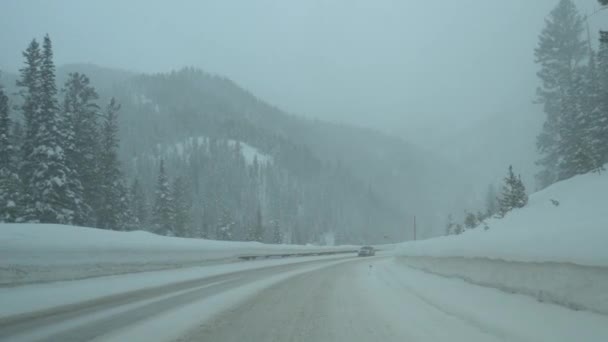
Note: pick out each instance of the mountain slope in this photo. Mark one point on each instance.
(389, 180)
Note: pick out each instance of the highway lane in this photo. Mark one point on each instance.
(95, 318)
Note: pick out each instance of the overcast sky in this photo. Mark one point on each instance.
(398, 65)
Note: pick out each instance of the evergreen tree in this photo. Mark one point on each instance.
(29, 84)
(162, 217)
(113, 206)
(54, 191)
(138, 205)
(181, 208)
(470, 220)
(513, 194)
(459, 229)
(559, 53)
(519, 194)
(10, 185)
(82, 147)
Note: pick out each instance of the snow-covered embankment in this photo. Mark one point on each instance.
(31, 253)
(555, 249)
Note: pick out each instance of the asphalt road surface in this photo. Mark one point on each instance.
(335, 299)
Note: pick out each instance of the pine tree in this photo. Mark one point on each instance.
(162, 217)
(54, 191)
(10, 184)
(30, 93)
(459, 229)
(82, 147)
(470, 220)
(595, 127)
(513, 194)
(113, 207)
(559, 53)
(181, 208)
(520, 198)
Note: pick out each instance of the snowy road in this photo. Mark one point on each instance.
(328, 299)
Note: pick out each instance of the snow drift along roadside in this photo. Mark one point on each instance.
(554, 249)
(45, 252)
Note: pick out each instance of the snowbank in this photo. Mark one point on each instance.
(554, 249)
(45, 252)
(573, 231)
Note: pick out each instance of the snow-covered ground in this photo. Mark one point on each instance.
(40, 252)
(553, 249)
(573, 231)
(184, 149)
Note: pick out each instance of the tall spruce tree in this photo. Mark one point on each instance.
(162, 217)
(82, 147)
(10, 184)
(559, 53)
(54, 191)
(113, 205)
(29, 84)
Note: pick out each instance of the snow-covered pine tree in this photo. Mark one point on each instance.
(113, 207)
(82, 148)
(595, 126)
(138, 205)
(470, 220)
(520, 198)
(182, 205)
(29, 84)
(576, 147)
(10, 184)
(513, 194)
(54, 190)
(506, 200)
(559, 53)
(162, 216)
(458, 229)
